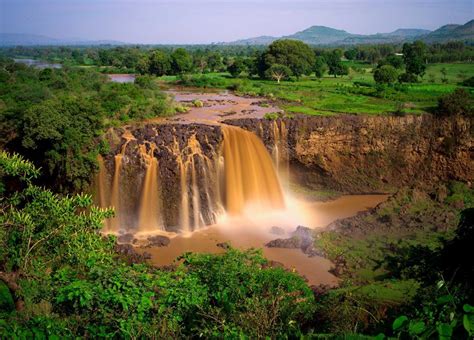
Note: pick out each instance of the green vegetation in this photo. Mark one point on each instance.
(457, 103)
(403, 268)
(56, 117)
(420, 270)
(67, 281)
(278, 72)
(356, 94)
(386, 74)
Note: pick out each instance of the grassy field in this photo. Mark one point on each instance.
(354, 94)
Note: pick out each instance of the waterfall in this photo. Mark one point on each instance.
(113, 224)
(250, 178)
(150, 203)
(188, 179)
(280, 151)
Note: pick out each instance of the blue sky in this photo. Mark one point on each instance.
(204, 21)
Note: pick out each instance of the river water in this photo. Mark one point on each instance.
(251, 226)
(38, 63)
(121, 78)
(255, 232)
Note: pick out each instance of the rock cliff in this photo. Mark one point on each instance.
(365, 154)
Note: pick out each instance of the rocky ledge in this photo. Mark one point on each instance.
(369, 154)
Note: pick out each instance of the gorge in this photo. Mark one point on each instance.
(212, 176)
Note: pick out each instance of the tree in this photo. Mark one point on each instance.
(200, 61)
(294, 54)
(159, 63)
(320, 66)
(278, 72)
(41, 231)
(237, 67)
(386, 74)
(414, 58)
(444, 72)
(143, 65)
(350, 54)
(336, 67)
(181, 61)
(214, 61)
(393, 60)
(457, 103)
(407, 78)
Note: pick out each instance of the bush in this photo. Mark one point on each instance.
(54, 259)
(468, 82)
(457, 103)
(386, 74)
(407, 78)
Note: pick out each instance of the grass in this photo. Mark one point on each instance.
(312, 195)
(367, 257)
(353, 94)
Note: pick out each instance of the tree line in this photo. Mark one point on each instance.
(217, 58)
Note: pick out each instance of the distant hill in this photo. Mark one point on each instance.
(18, 39)
(322, 35)
(262, 40)
(452, 32)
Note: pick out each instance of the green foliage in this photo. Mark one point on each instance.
(336, 67)
(414, 57)
(294, 54)
(458, 103)
(278, 72)
(272, 115)
(350, 54)
(468, 82)
(237, 67)
(444, 318)
(181, 61)
(159, 63)
(6, 299)
(54, 117)
(320, 66)
(71, 284)
(198, 103)
(407, 78)
(385, 74)
(392, 60)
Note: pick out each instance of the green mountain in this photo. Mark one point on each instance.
(322, 35)
(452, 32)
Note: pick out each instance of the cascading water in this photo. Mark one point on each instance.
(150, 203)
(188, 181)
(280, 150)
(250, 178)
(113, 224)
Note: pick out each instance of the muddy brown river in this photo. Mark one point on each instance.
(252, 227)
(254, 232)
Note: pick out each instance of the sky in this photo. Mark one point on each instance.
(206, 21)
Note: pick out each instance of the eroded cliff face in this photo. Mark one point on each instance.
(364, 154)
(185, 156)
(180, 177)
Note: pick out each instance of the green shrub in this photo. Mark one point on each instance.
(407, 78)
(468, 82)
(271, 115)
(386, 74)
(455, 104)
